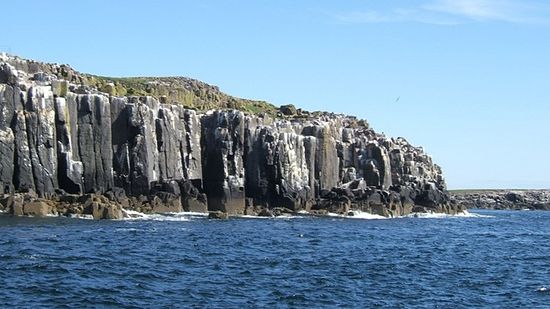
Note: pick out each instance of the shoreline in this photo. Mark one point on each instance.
(129, 215)
(110, 206)
(501, 199)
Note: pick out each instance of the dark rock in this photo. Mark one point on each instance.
(217, 215)
(265, 213)
(223, 169)
(288, 110)
(166, 202)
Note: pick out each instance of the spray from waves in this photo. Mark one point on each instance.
(171, 216)
(356, 214)
(282, 217)
(436, 215)
(468, 214)
(543, 289)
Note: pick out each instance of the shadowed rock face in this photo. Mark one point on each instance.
(58, 136)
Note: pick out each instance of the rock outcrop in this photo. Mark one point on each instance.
(503, 199)
(60, 136)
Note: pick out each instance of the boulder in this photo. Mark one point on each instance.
(106, 211)
(218, 215)
(38, 208)
(265, 213)
(195, 205)
(15, 205)
(165, 202)
(288, 110)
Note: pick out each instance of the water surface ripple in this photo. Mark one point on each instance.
(501, 259)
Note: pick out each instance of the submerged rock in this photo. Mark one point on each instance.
(218, 215)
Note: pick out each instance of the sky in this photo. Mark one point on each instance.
(472, 77)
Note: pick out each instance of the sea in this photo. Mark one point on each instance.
(481, 259)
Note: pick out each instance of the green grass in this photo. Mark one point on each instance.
(177, 90)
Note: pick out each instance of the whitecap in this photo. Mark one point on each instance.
(356, 214)
(283, 216)
(439, 215)
(130, 229)
(428, 215)
(136, 215)
(81, 216)
(192, 214)
(255, 217)
(468, 214)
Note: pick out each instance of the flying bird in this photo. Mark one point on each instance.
(396, 100)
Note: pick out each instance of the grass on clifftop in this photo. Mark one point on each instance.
(188, 92)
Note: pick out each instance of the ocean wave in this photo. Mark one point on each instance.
(81, 216)
(438, 215)
(468, 214)
(136, 215)
(358, 215)
(285, 217)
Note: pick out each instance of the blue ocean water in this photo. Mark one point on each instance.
(488, 259)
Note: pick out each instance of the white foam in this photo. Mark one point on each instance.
(428, 215)
(468, 214)
(178, 216)
(438, 215)
(131, 229)
(84, 217)
(255, 217)
(283, 216)
(358, 215)
(193, 214)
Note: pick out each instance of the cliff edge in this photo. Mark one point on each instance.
(74, 143)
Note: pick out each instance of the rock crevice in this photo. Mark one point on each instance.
(60, 137)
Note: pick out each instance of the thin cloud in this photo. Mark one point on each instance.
(490, 10)
(451, 12)
(393, 16)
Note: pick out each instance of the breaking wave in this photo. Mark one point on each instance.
(170, 216)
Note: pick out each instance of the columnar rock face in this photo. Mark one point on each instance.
(59, 136)
(280, 164)
(223, 167)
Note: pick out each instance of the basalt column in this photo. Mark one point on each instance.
(223, 170)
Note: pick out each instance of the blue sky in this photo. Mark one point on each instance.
(472, 76)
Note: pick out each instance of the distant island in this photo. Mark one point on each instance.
(502, 199)
(77, 144)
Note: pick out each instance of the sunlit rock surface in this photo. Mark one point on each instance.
(60, 137)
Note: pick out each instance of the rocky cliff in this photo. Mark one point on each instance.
(77, 145)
